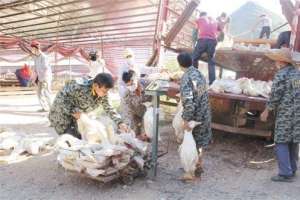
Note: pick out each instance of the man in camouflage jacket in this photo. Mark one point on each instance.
(76, 98)
(195, 102)
(285, 102)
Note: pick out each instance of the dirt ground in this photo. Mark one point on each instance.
(236, 167)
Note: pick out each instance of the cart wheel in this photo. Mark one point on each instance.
(127, 180)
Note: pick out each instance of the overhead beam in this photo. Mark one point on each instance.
(139, 42)
(142, 40)
(89, 22)
(66, 12)
(41, 5)
(17, 3)
(177, 14)
(288, 8)
(41, 9)
(182, 19)
(90, 32)
(99, 36)
(109, 39)
(81, 17)
(97, 27)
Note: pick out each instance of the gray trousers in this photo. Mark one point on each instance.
(266, 30)
(44, 94)
(287, 158)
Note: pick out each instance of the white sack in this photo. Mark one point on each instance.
(91, 130)
(177, 123)
(188, 151)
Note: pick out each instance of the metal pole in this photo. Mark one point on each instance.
(70, 69)
(279, 27)
(155, 135)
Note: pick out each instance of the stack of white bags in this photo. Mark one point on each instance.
(244, 86)
(16, 145)
(101, 152)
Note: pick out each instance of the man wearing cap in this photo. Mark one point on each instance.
(284, 101)
(43, 76)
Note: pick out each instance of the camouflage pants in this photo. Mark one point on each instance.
(44, 94)
(64, 124)
(202, 135)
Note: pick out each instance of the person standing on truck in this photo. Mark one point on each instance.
(206, 43)
(223, 22)
(265, 23)
(283, 40)
(284, 101)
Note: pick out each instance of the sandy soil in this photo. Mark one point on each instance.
(236, 167)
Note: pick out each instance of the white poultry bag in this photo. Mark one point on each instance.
(217, 86)
(226, 85)
(177, 124)
(9, 140)
(148, 120)
(91, 130)
(130, 139)
(248, 87)
(188, 151)
(231, 86)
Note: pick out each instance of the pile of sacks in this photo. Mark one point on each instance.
(101, 153)
(15, 146)
(244, 86)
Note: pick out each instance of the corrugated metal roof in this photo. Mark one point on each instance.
(106, 25)
(77, 21)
